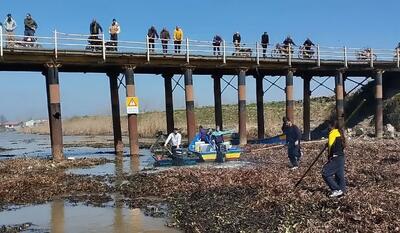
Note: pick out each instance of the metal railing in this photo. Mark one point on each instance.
(97, 45)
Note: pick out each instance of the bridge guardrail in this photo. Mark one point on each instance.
(99, 46)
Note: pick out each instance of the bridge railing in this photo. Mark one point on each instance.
(66, 43)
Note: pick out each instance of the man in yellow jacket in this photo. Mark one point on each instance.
(178, 37)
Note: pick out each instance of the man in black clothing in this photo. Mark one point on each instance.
(165, 37)
(153, 35)
(293, 137)
(217, 44)
(95, 28)
(307, 53)
(236, 41)
(286, 43)
(264, 43)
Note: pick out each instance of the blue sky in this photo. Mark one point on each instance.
(330, 22)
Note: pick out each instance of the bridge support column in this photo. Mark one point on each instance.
(339, 98)
(379, 104)
(54, 109)
(217, 100)
(260, 106)
(169, 102)
(289, 96)
(118, 145)
(189, 96)
(242, 106)
(132, 118)
(306, 107)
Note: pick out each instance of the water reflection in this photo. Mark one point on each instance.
(57, 216)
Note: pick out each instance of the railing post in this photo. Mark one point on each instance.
(148, 48)
(372, 58)
(1, 41)
(318, 56)
(224, 51)
(55, 45)
(290, 55)
(398, 57)
(104, 47)
(345, 56)
(258, 54)
(187, 50)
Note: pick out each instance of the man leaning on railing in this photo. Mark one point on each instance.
(165, 37)
(30, 27)
(9, 26)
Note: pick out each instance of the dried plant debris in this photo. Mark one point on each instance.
(262, 198)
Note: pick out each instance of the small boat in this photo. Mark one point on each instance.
(206, 151)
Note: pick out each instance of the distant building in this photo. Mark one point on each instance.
(32, 123)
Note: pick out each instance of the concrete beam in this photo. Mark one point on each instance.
(132, 118)
(169, 101)
(217, 100)
(242, 106)
(118, 145)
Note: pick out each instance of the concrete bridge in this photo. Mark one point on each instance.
(68, 53)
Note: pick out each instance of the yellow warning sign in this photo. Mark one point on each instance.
(132, 105)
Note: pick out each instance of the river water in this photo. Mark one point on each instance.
(60, 216)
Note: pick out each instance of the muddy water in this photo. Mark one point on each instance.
(60, 217)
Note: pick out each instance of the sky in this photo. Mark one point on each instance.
(367, 23)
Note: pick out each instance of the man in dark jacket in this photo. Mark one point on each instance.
(153, 35)
(236, 41)
(293, 137)
(217, 44)
(308, 52)
(165, 37)
(95, 28)
(286, 43)
(30, 26)
(264, 43)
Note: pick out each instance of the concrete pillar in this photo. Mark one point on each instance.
(132, 118)
(339, 98)
(242, 106)
(54, 110)
(217, 100)
(306, 107)
(189, 96)
(169, 102)
(289, 96)
(379, 104)
(260, 106)
(118, 145)
(57, 216)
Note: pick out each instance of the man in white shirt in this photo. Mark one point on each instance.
(175, 139)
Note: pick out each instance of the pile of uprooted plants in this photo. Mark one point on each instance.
(262, 197)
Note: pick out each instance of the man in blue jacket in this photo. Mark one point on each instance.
(293, 137)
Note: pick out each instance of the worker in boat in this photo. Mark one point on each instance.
(293, 137)
(114, 30)
(203, 134)
(333, 170)
(175, 139)
(217, 138)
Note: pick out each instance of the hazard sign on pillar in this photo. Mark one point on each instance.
(132, 105)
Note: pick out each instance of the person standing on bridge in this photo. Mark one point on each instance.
(9, 26)
(307, 45)
(114, 30)
(333, 170)
(175, 138)
(165, 37)
(293, 137)
(264, 43)
(95, 28)
(288, 42)
(178, 37)
(236, 42)
(30, 26)
(152, 35)
(217, 44)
